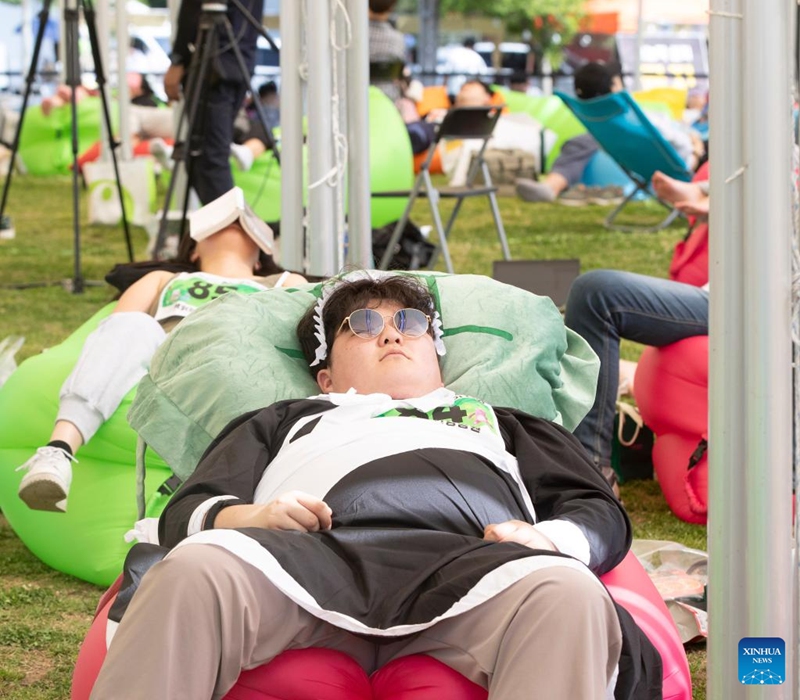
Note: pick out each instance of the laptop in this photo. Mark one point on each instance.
(551, 278)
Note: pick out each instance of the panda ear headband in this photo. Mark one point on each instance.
(321, 353)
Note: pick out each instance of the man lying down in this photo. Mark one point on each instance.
(387, 517)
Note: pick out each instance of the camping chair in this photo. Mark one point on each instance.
(626, 134)
(459, 123)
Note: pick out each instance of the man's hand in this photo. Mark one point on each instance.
(172, 82)
(520, 532)
(294, 510)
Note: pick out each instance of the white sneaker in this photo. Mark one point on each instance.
(242, 155)
(46, 485)
(162, 152)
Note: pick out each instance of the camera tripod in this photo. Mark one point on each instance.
(213, 24)
(73, 80)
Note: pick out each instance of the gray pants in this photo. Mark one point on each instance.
(202, 615)
(115, 356)
(574, 157)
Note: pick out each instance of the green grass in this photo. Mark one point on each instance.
(44, 615)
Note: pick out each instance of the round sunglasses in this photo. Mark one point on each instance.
(368, 323)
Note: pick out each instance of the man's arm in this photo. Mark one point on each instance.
(229, 472)
(576, 509)
(186, 32)
(185, 35)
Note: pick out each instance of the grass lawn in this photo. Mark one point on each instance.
(45, 614)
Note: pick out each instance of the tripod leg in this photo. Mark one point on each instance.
(72, 62)
(43, 17)
(198, 71)
(255, 23)
(89, 16)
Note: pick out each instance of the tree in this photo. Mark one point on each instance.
(552, 23)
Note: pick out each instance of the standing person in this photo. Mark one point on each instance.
(386, 44)
(222, 95)
(386, 516)
(465, 63)
(117, 354)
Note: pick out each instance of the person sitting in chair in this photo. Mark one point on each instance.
(386, 516)
(594, 80)
(117, 354)
(605, 306)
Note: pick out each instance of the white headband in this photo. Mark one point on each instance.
(321, 352)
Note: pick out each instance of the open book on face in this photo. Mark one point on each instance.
(225, 210)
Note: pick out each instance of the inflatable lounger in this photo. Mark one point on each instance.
(86, 541)
(671, 388)
(325, 674)
(45, 145)
(179, 415)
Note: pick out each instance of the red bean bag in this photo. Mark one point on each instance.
(690, 259)
(91, 154)
(671, 390)
(324, 674)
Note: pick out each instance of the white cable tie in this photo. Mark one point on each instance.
(729, 15)
(735, 174)
(328, 178)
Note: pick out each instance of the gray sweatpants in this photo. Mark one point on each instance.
(115, 356)
(202, 615)
(574, 157)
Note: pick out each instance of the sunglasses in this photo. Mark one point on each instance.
(368, 323)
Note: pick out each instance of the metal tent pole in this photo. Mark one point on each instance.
(359, 250)
(637, 61)
(321, 196)
(123, 93)
(750, 544)
(292, 256)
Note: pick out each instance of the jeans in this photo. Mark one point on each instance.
(606, 305)
(210, 170)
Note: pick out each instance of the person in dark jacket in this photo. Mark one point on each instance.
(387, 516)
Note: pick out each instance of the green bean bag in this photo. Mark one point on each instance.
(391, 167)
(87, 540)
(45, 144)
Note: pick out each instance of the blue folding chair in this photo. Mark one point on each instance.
(620, 126)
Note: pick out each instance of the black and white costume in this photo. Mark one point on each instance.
(409, 509)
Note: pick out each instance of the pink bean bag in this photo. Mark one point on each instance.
(324, 674)
(690, 259)
(671, 389)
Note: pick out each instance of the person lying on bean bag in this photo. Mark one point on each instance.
(117, 354)
(386, 516)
